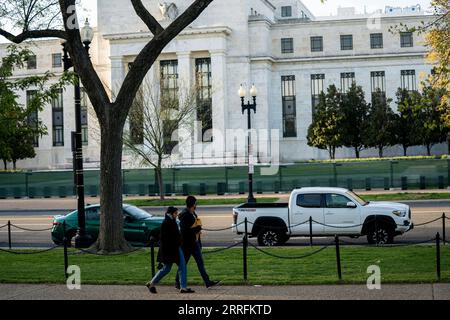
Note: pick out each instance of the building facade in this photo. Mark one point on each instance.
(278, 45)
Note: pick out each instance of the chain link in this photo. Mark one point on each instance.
(289, 258)
(29, 253)
(429, 222)
(83, 251)
(223, 249)
(386, 245)
(224, 229)
(31, 230)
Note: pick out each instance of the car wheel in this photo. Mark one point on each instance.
(269, 238)
(380, 235)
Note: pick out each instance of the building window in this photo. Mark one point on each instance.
(289, 106)
(317, 83)
(204, 97)
(287, 45)
(286, 11)
(32, 116)
(347, 42)
(169, 79)
(406, 39)
(56, 60)
(31, 62)
(376, 41)
(316, 44)
(408, 80)
(347, 80)
(84, 118)
(169, 100)
(378, 82)
(58, 120)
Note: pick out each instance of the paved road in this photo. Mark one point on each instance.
(214, 217)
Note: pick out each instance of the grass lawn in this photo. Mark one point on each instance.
(201, 202)
(407, 196)
(398, 265)
(235, 201)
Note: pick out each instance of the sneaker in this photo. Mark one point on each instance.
(187, 290)
(212, 284)
(151, 288)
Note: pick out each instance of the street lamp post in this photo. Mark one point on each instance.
(392, 173)
(335, 173)
(249, 107)
(82, 239)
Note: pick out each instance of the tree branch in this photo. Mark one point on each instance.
(83, 66)
(146, 17)
(33, 34)
(151, 51)
(185, 19)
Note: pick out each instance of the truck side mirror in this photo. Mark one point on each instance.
(351, 205)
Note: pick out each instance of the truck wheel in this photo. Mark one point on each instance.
(269, 238)
(380, 235)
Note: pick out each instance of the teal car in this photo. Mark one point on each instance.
(139, 225)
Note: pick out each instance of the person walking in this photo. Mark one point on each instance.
(170, 252)
(191, 226)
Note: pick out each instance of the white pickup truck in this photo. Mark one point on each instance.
(333, 211)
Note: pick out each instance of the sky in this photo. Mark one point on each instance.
(330, 6)
(315, 6)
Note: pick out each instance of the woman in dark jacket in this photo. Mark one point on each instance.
(170, 252)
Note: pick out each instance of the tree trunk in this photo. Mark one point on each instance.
(380, 152)
(14, 165)
(405, 150)
(111, 237)
(330, 152)
(334, 153)
(357, 153)
(5, 164)
(159, 177)
(429, 149)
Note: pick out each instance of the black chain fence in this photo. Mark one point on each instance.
(244, 243)
(290, 257)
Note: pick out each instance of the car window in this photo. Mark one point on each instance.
(309, 200)
(337, 201)
(93, 214)
(136, 213)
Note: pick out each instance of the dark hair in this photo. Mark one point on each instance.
(171, 210)
(191, 201)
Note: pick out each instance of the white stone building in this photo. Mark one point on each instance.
(278, 45)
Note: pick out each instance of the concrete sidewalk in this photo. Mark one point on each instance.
(70, 203)
(332, 292)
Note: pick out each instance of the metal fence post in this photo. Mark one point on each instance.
(438, 256)
(245, 247)
(9, 234)
(338, 257)
(66, 257)
(152, 257)
(310, 232)
(27, 193)
(444, 217)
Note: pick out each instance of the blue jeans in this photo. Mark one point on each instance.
(182, 272)
(197, 254)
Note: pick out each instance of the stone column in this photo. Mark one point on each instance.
(118, 72)
(219, 98)
(185, 84)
